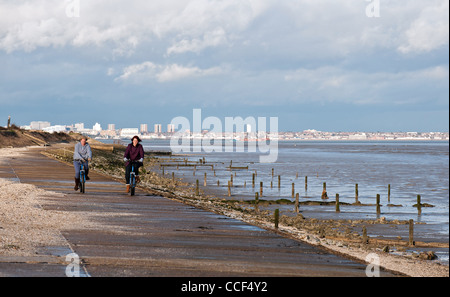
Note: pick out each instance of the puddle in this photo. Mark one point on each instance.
(14, 179)
(246, 227)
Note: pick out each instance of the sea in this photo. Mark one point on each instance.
(398, 171)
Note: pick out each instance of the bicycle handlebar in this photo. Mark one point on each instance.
(136, 161)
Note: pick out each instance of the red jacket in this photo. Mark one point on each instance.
(134, 153)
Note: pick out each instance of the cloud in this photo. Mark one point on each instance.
(333, 84)
(183, 25)
(429, 31)
(209, 39)
(309, 28)
(148, 71)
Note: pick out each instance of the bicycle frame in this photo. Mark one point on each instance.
(82, 177)
(132, 179)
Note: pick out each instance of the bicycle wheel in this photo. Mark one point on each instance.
(82, 182)
(132, 184)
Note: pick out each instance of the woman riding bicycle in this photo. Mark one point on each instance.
(133, 153)
(81, 154)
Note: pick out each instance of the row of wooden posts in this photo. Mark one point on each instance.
(296, 196)
(293, 195)
(324, 195)
(365, 238)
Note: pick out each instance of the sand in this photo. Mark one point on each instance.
(24, 225)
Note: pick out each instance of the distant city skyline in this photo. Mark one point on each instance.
(325, 65)
(170, 128)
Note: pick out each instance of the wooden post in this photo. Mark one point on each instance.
(218, 183)
(272, 172)
(253, 180)
(204, 182)
(261, 189)
(173, 176)
(419, 205)
(229, 189)
(378, 204)
(277, 217)
(324, 191)
(163, 170)
(389, 192)
(231, 179)
(356, 193)
(411, 232)
(293, 190)
(306, 183)
(195, 168)
(337, 203)
(271, 184)
(256, 202)
(196, 188)
(296, 202)
(364, 236)
(279, 181)
(296, 175)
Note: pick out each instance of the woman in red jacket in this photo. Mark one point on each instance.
(133, 153)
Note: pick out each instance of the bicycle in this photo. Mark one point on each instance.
(133, 178)
(82, 177)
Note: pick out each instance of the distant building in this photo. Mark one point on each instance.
(97, 127)
(56, 128)
(108, 133)
(170, 128)
(158, 128)
(111, 127)
(359, 136)
(39, 125)
(79, 126)
(129, 132)
(144, 128)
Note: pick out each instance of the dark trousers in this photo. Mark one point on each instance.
(128, 171)
(77, 167)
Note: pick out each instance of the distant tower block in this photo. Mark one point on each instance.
(144, 128)
(158, 128)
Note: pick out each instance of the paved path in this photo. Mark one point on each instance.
(157, 236)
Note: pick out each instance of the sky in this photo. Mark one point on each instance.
(347, 65)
